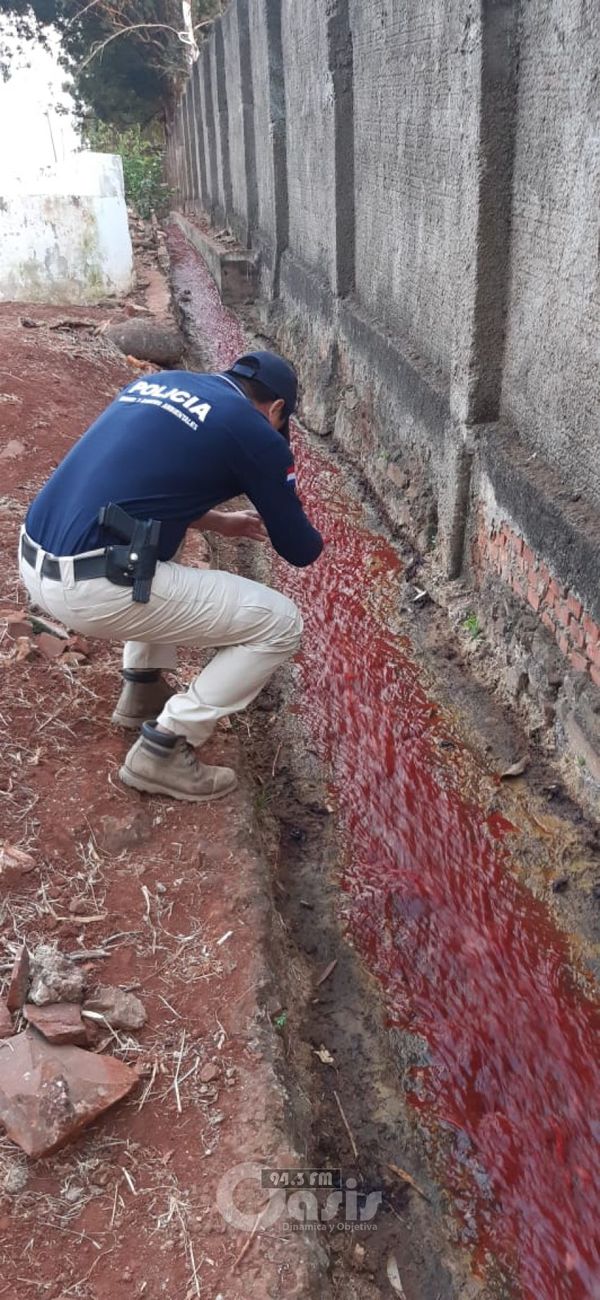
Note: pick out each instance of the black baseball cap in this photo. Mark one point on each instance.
(275, 374)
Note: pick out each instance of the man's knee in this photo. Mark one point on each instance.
(288, 633)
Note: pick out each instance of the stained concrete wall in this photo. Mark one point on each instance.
(407, 133)
(64, 235)
(550, 388)
(310, 141)
(421, 184)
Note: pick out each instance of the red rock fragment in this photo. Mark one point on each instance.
(19, 981)
(49, 646)
(14, 863)
(209, 1073)
(48, 1094)
(59, 1023)
(79, 645)
(6, 1024)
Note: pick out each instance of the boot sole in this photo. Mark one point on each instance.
(128, 724)
(151, 787)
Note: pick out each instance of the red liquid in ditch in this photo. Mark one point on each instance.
(466, 957)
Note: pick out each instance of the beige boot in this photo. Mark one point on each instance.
(160, 764)
(143, 697)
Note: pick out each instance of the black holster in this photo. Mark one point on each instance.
(133, 565)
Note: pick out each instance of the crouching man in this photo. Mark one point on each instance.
(99, 549)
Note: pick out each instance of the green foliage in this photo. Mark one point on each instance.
(472, 626)
(126, 57)
(143, 164)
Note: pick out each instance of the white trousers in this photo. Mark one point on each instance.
(253, 628)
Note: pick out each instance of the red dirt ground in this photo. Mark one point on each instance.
(129, 1210)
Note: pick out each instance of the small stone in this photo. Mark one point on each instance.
(209, 1073)
(79, 645)
(125, 832)
(79, 907)
(49, 646)
(48, 1094)
(6, 1024)
(19, 981)
(15, 1180)
(121, 1010)
(60, 1022)
(54, 977)
(14, 863)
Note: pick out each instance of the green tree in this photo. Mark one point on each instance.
(127, 58)
(143, 164)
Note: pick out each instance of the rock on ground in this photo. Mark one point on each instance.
(19, 981)
(121, 1010)
(60, 1022)
(6, 1024)
(54, 978)
(48, 1094)
(147, 340)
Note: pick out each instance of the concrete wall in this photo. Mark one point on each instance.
(421, 184)
(64, 236)
(270, 233)
(310, 141)
(238, 210)
(407, 133)
(550, 389)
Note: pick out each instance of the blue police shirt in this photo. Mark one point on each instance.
(171, 447)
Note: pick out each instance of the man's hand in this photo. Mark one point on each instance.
(245, 524)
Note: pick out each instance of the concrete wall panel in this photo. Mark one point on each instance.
(407, 133)
(235, 104)
(310, 137)
(550, 389)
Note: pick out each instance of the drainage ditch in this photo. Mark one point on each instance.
(455, 1035)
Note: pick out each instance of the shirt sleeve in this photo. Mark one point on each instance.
(268, 477)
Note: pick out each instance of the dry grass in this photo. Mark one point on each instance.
(112, 1172)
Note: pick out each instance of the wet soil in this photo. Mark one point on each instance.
(461, 1016)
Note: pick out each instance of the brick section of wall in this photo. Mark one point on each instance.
(501, 550)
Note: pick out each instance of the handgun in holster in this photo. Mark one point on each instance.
(133, 565)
